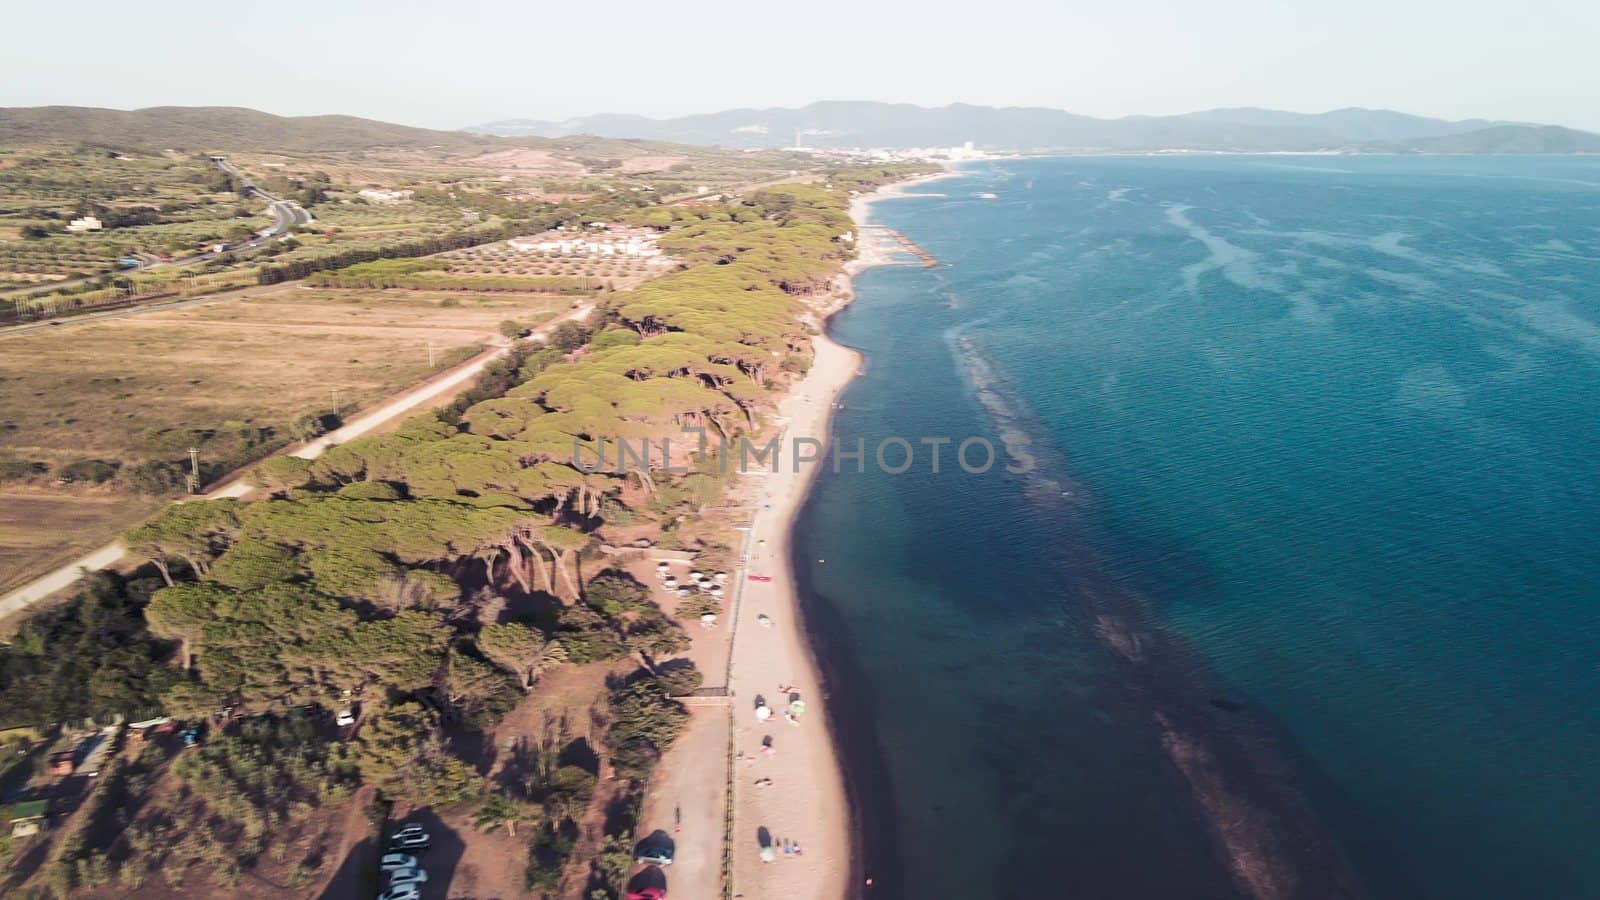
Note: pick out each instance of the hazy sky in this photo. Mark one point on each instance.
(450, 63)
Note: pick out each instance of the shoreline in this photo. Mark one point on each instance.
(1268, 840)
(809, 800)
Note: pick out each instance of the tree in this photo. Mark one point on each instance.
(569, 336)
(479, 693)
(498, 810)
(679, 678)
(615, 592)
(656, 636)
(315, 425)
(520, 650)
(252, 563)
(182, 613)
(645, 722)
(195, 532)
(282, 474)
(562, 543)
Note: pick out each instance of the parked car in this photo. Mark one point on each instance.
(412, 875)
(346, 718)
(660, 855)
(762, 578)
(411, 837)
(392, 861)
(648, 893)
(402, 892)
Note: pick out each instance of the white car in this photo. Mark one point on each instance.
(412, 875)
(392, 861)
(402, 892)
(346, 718)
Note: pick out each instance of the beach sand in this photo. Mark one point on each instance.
(805, 802)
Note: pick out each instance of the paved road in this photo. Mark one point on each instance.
(285, 213)
(452, 380)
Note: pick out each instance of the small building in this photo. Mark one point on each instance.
(613, 240)
(27, 817)
(95, 749)
(139, 731)
(62, 762)
(383, 196)
(87, 223)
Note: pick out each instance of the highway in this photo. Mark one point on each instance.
(286, 214)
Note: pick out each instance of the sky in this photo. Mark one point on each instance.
(464, 62)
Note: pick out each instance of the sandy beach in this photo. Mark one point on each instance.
(788, 787)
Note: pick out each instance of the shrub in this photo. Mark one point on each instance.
(18, 469)
(95, 471)
(155, 477)
(698, 605)
(614, 592)
(313, 425)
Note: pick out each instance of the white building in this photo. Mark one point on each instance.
(87, 223)
(632, 243)
(380, 195)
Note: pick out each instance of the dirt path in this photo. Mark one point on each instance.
(691, 785)
(235, 485)
(357, 852)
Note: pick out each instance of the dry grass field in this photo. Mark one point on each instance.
(42, 528)
(228, 377)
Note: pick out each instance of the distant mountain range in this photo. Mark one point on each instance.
(901, 126)
(215, 128)
(833, 124)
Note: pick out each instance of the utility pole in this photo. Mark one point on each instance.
(333, 398)
(430, 354)
(194, 470)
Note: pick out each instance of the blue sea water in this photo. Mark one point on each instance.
(1315, 506)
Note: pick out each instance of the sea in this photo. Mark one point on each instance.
(1293, 589)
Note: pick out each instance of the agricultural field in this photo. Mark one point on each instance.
(346, 213)
(163, 204)
(549, 169)
(115, 405)
(501, 259)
